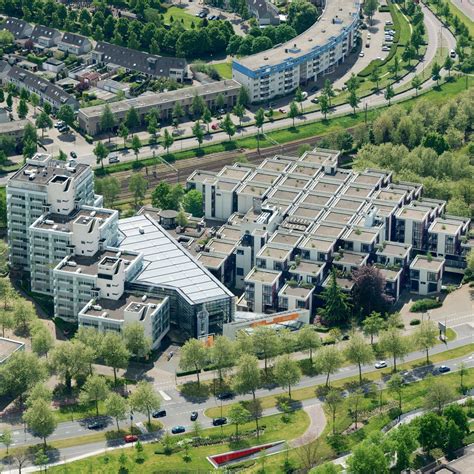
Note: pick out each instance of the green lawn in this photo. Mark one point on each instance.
(465, 19)
(156, 461)
(224, 69)
(174, 14)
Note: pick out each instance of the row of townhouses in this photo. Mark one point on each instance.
(104, 272)
(289, 221)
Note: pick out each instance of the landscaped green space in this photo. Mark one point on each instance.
(275, 429)
(464, 18)
(309, 392)
(224, 70)
(175, 14)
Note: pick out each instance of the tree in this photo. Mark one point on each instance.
(135, 340)
(293, 112)
(266, 343)
(66, 114)
(324, 105)
(193, 357)
(370, 7)
(152, 125)
(6, 320)
(198, 105)
(34, 99)
(438, 395)
(94, 390)
(207, 118)
(287, 372)
(456, 413)
(43, 121)
(375, 77)
(42, 342)
(243, 98)
(40, 419)
(193, 202)
(222, 355)
(328, 90)
(136, 145)
(353, 401)
(39, 392)
(198, 133)
(430, 431)
(462, 371)
(6, 438)
(299, 97)
(259, 121)
(116, 407)
(309, 340)
(336, 309)
(448, 65)
(395, 67)
(453, 438)
(416, 84)
(359, 352)
(228, 126)
(435, 73)
(353, 100)
(238, 415)
(402, 443)
(144, 399)
(334, 400)
(100, 151)
(369, 290)
(109, 187)
(132, 119)
(220, 102)
(177, 111)
(8, 294)
(137, 186)
(394, 344)
(23, 314)
(329, 360)
(9, 101)
(426, 337)
(367, 457)
(115, 352)
(22, 109)
(247, 375)
(123, 132)
(168, 141)
(396, 385)
(389, 94)
(372, 325)
(107, 120)
(301, 15)
(239, 112)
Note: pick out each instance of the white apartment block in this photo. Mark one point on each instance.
(41, 187)
(292, 219)
(313, 53)
(426, 275)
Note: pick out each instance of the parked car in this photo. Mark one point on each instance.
(219, 421)
(442, 369)
(385, 48)
(282, 111)
(194, 415)
(389, 22)
(73, 154)
(95, 425)
(215, 126)
(58, 124)
(114, 159)
(314, 100)
(314, 89)
(159, 414)
(361, 54)
(178, 429)
(130, 438)
(452, 54)
(381, 364)
(225, 396)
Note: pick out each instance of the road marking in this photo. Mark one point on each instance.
(165, 396)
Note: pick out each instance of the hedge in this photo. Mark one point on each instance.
(423, 305)
(415, 322)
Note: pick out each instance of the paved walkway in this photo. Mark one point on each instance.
(315, 428)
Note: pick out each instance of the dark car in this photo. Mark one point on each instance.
(219, 421)
(95, 425)
(194, 415)
(178, 429)
(442, 369)
(159, 414)
(225, 396)
(73, 154)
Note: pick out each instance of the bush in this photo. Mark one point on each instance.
(137, 165)
(394, 413)
(424, 305)
(415, 322)
(338, 443)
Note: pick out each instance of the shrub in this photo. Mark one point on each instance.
(394, 413)
(425, 304)
(415, 322)
(137, 165)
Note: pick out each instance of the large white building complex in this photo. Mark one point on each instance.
(289, 221)
(101, 271)
(317, 51)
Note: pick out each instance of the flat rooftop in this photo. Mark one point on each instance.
(441, 226)
(211, 261)
(234, 172)
(361, 235)
(285, 194)
(43, 173)
(253, 189)
(62, 223)
(307, 267)
(274, 165)
(391, 195)
(338, 217)
(295, 182)
(263, 177)
(296, 291)
(318, 244)
(350, 258)
(306, 212)
(115, 309)
(9, 347)
(230, 233)
(280, 237)
(424, 263)
(320, 156)
(90, 265)
(328, 230)
(200, 176)
(318, 199)
(275, 253)
(167, 263)
(394, 249)
(413, 213)
(262, 276)
(345, 283)
(326, 187)
(358, 191)
(389, 274)
(369, 178)
(220, 246)
(348, 204)
(306, 169)
(13, 126)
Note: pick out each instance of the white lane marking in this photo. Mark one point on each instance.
(165, 396)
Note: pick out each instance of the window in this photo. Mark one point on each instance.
(415, 274)
(240, 271)
(432, 276)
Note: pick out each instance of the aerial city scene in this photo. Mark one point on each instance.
(235, 236)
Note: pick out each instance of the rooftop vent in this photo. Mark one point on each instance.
(141, 230)
(144, 297)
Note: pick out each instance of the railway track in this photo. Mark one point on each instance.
(214, 162)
